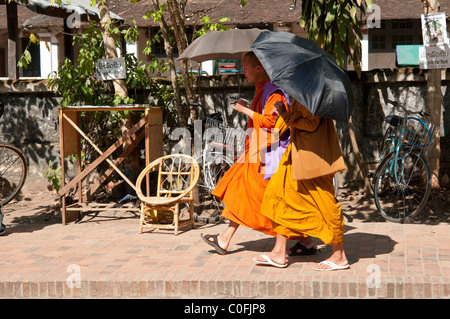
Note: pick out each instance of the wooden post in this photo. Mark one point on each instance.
(434, 106)
(13, 32)
(63, 166)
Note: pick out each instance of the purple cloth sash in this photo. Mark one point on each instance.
(274, 152)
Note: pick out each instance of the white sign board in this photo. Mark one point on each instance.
(111, 69)
(434, 57)
(434, 29)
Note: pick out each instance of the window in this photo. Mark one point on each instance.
(393, 33)
(378, 42)
(402, 39)
(158, 41)
(34, 68)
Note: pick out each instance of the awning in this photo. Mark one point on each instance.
(65, 9)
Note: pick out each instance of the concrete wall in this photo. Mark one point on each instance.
(31, 121)
(31, 113)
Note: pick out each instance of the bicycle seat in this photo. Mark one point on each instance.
(393, 120)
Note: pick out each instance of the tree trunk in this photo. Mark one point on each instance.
(359, 160)
(176, 14)
(132, 163)
(110, 45)
(182, 118)
(434, 106)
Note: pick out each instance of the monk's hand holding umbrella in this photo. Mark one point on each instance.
(278, 109)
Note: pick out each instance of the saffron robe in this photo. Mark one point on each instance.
(304, 207)
(242, 187)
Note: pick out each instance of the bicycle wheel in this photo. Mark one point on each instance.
(13, 172)
(215, 167)
(399, 199)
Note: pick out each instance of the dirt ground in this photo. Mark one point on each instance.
(357, 206)
(39, 205)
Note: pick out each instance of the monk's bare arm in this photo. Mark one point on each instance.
(242, 107)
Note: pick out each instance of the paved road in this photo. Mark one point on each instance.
(104, 256)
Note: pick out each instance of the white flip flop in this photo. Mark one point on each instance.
(332, 266)
(269, 262)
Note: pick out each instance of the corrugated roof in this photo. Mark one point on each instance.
(256, 11)
(405, 9)
(63, 9)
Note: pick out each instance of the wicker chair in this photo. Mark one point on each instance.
(176, 179)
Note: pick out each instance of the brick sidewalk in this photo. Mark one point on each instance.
(108, 258)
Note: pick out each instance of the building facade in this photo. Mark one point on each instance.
(386, 25)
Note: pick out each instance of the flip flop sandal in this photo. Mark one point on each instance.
(294, 251)
(214, 243)
(332, 266)
(269, 262)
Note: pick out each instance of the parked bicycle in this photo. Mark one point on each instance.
(13, 168)
(222, 144)
(402, 180)
(12, 172)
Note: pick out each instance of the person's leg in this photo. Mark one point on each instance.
(337, 257)
(305, 246)
(307, 241)
(278, 253)
(224, 239)
(220, 242)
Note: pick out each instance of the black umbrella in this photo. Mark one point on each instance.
(306, 72)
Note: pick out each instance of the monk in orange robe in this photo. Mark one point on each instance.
(242, 188)
(300, 197)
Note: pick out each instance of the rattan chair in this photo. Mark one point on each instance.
(177, 175)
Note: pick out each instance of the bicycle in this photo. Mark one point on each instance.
(13, 169)
(402, 180)
(218, 136)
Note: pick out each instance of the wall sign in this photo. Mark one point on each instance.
(435, 52)
(434, 57)
(110, 69)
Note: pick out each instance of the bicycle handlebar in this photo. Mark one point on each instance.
(407, 112)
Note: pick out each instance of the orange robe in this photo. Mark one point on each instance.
(242, 188)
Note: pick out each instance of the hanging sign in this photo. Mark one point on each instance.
(435, 51)
(434, 29)
(110, 69)
(434, 57)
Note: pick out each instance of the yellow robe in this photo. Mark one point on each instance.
(303, 207)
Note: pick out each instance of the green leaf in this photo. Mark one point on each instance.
(331, 14)
(342, 27)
